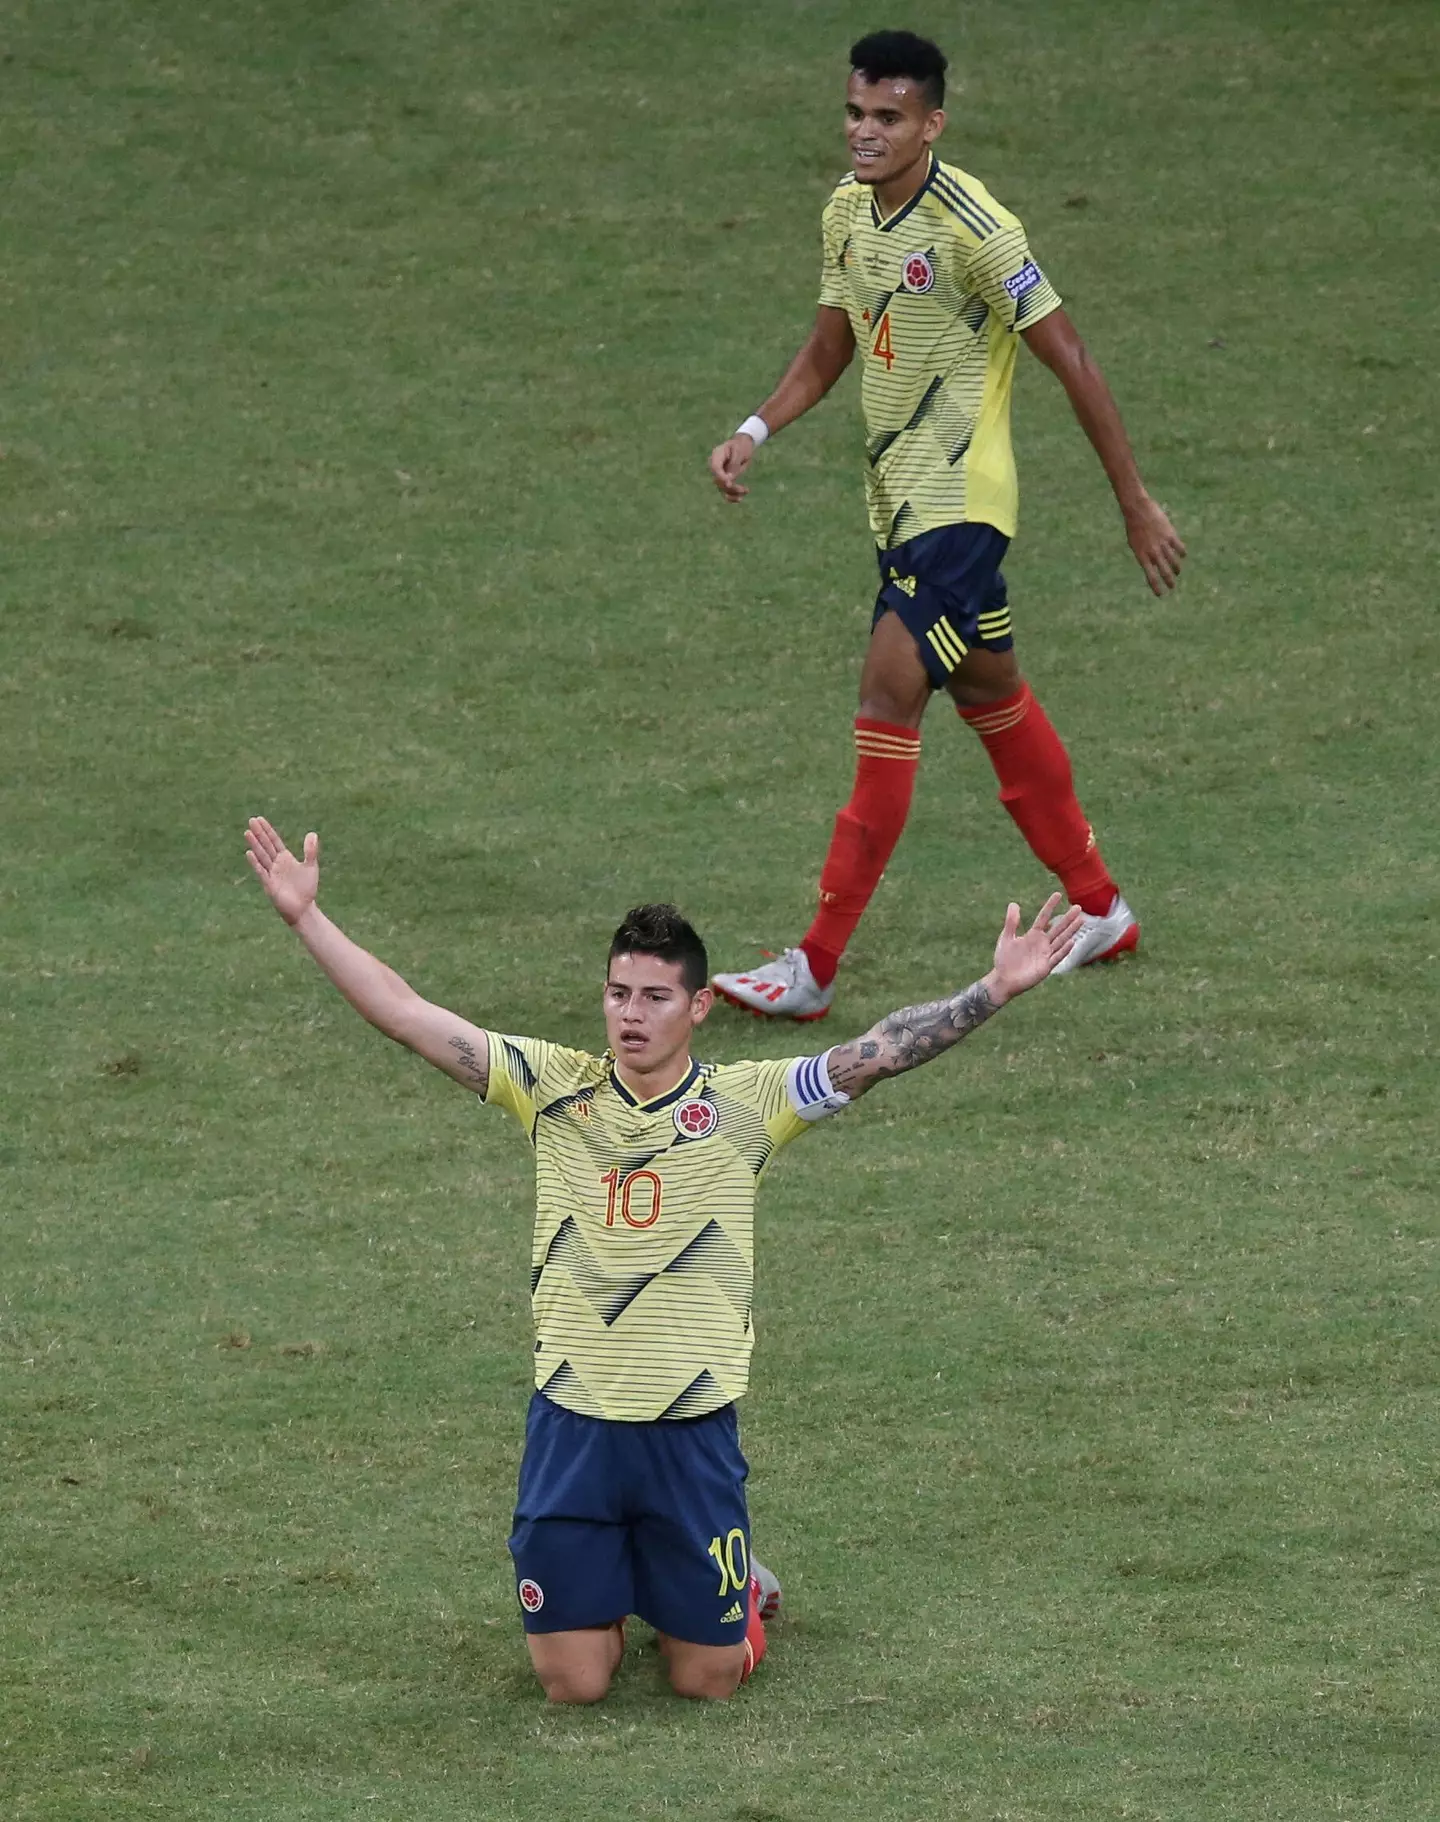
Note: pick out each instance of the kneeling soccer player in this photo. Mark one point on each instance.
(632, 1486)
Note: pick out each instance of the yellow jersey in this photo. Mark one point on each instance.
(935, 294)
(643, 1267)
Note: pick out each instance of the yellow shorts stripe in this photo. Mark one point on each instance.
(947, 642)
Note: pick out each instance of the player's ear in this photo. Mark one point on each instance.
(934, 126)
(700, 1004)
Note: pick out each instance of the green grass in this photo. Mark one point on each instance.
(362, 364)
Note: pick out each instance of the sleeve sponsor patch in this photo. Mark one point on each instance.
(1024, 280)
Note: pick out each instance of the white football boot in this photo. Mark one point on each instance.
(1101, 939)
(780, 989)
(765, 1585)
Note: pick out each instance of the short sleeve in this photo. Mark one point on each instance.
(834, 234)
(1005, 274)
(792, 1093)
(517, 1066)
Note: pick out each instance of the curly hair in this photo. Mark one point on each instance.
(885, 55)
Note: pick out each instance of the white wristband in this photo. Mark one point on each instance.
(754, 428)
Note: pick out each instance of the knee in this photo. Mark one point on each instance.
(702, 1683)
(985, 677)
(576, 1688)
(900, 710)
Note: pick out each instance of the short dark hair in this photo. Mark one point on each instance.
(661, 931)
(886, 55)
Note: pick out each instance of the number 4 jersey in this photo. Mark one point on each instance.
(644, 1255)
(935, 294)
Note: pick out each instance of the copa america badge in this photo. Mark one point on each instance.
(696, 1119)
(917, 274)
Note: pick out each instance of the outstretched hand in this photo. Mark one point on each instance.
(289, 884)
(1024, 959)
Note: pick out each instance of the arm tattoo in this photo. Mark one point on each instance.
(470, 1065)
(908, 1038)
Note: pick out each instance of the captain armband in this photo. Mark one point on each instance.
(811, 1092)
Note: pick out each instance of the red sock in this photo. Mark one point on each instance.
(754, 1634)
(1037, 788)
(865, 834)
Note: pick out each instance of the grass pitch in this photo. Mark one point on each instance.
(363, 363)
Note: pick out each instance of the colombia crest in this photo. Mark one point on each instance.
(917, 274)
(696, 1119)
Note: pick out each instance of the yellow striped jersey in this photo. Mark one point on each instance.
(644, 1254)
(935, 294)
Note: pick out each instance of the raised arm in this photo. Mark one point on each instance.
(376, 992)
(828, 351)
(1154, 540)
(918, 1034)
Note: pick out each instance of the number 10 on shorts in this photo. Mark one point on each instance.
(733, 1561)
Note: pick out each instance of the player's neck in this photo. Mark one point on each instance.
(894, 195)
(650, 1084)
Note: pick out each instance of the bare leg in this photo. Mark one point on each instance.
(983, 677)
(894, 686)
(577, 1666)
(706, 1673)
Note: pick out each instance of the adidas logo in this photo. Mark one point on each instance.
(737, 1612)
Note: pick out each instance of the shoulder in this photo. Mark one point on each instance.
(840, 203)
(748, 1080)
(527, 1060)
(972, 212)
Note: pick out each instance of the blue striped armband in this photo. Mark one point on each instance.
(807, 1082)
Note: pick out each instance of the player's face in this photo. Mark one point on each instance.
(650, 1016)
(889, 127)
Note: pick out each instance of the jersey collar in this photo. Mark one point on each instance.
(678, 1092)
(894, 221)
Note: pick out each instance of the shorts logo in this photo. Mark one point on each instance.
(734, 1616)
(1024, 280)
(917, 274)
(696, 1119)
(532, 1595)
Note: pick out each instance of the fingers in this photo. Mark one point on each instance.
(728, 461)
(262, 839)
(312, 848)
(1161, 561)
(1062, 935)
(1045, 913)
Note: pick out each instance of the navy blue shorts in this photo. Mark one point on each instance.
(947, 588)
(620, 1518)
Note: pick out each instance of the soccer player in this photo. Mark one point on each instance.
(932, 279)
(632, 1485)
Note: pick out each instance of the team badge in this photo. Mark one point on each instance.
(532, 1595)
(917, 274)
(696, 1119)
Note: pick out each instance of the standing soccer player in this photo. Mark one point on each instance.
(632, 1485)
(933, 281)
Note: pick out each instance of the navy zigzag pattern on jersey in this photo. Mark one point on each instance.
(714, 1252)
(565, 1380)
(520, 1069)
(698, 1398)
(917, 417)
(608, 1296)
